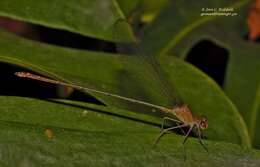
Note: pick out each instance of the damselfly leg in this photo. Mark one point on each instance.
(187, 135)
(173, 120)
(200, 139)
(168, 129)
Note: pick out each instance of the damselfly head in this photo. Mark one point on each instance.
(203, 122)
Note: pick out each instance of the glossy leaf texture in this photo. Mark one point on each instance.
(83, 17)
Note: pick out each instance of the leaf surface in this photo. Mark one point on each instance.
(85, 17)
(86, 134)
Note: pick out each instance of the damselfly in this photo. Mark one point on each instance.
(184, 116)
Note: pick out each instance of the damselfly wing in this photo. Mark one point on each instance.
(180, 111)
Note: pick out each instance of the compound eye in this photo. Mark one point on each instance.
(203, 124)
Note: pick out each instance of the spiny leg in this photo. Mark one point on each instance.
(187, 135)
(168, 129)
(185, 139)
(200, 139)
(171, 119)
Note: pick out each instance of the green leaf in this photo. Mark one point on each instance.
(84, 134)
(112, 73)
(242, 78)
(178, 21)
(86, 17)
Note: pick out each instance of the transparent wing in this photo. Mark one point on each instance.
(151, 69)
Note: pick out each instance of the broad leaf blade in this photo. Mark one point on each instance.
(85, 135)
(86, 17)
(107, 72)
